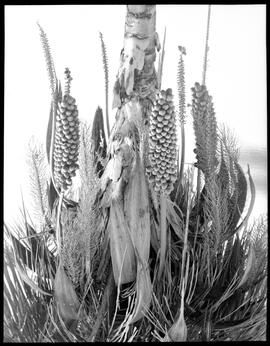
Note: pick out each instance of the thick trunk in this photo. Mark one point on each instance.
(137, 75)
(124, 184)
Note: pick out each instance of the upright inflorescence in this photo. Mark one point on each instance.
(205, 127)
(66, 145)
(162, 143)
(181, 86)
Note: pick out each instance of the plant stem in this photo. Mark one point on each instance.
(58, 226)
(102, 309)
(182, 161)
(186, 233)
(206, 46)
(161, 60)
(203, 83)
(182, 152)
(107, 115)
(163, 232)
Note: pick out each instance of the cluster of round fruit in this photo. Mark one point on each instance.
(205, 128)
(162, 143)
(66, 145)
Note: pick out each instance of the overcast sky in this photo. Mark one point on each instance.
(236, 76)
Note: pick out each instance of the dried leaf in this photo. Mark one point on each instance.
(144, 293)
(252, 201)
(136, 206)
(174, 220)
(250, 263)
(65, 296)
(178, 331)
(121, 247)
(28, 281)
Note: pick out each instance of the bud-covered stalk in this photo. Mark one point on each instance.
(181, 106)
(205, 127)
(162, 144)
(66, 145)
(162, 158)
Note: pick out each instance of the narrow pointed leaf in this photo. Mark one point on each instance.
(28, 281)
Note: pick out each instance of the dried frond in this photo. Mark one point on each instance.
(86, 156)
(22, 323)
(73, 248)
(82, 235)
(106, 74)
(49, 59)
(38, 173)
(88, 213)
(28, 273)
(216, 214)
(256, 237)
(229, 140)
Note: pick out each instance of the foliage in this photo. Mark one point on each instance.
(63, 279)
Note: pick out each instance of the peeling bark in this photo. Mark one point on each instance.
(124, 183)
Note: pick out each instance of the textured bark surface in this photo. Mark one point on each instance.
(134, 91)
(124, 184)
(137, 75)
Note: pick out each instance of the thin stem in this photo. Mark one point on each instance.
(161, 60)
(102, 309)
(163, 232)
(106, 75)
(206, 46)
(58, 227)
(54, 106)
(182, 152)
(203, 83)
(186, 231)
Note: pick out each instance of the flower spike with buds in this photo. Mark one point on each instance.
(162, 144)
(66, 147)
(162, 158)
(205, 127)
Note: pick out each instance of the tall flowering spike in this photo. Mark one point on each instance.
(181, 86)
(205, 127)
(66, 146)
(162, 143)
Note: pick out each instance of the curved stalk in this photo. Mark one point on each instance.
(203, 83)
(58, 226)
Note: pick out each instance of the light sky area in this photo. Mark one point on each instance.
(236, 75)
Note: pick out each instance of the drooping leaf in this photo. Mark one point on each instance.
(122, 252)
(52, 195)
(238, 200)
(252, 201)
(65, 295)
(136, 209)
(49, 133)
(28, 281)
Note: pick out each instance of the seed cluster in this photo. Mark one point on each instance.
(66, 146)
(205, 127)
(162, 143)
